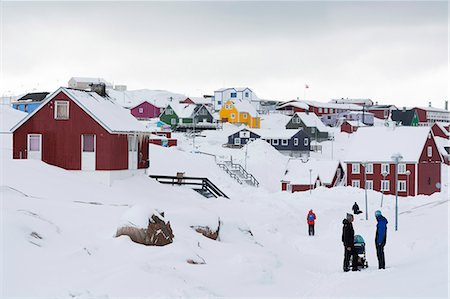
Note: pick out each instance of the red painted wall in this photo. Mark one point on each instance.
(429, 169)
(148, 111)
(61, 139)
(171, 142)
(378, 113)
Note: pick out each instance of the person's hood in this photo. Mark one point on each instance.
(310, 211)
(345, 222)
(381, 218)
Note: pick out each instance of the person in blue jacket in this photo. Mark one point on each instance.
(380, 238)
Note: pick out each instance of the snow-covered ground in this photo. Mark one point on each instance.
(58, 232)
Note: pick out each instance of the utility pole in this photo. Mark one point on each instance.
(396, 157)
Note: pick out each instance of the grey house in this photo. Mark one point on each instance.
(291, 142)
(311, 124)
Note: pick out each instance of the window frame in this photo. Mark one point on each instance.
(383, 166)
(400, 183)
(305, 142)
(356, 168)
(382, 185)
(429, 151)
(275, 142)
(356, 183)
(367, 169)
(402, 169)
(57, 103)
(284, 142)
(369, 182)
(295, 141)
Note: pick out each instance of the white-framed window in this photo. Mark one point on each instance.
(369, 185)
(430, 152)
(402, 186)
(384, 185)
(169, 111)
(173, 121)
(369, 168)
(244, 115)
(385, 168)
(284, 142)
(355, 168)
(331, 110)
(233, 94)
(296, 141)
(244, 134)
(274, 141)
(232, 115)
(34, 142)
(313, 130)
(237, 141)
(325, 110)
(61, 109)
(305, 142)
(320, 109)
(203, 112)
(402, 168)
(356, 183)
(246, 94)
(141, 110)
(296, 120)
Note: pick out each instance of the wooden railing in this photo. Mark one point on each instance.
(204, 183)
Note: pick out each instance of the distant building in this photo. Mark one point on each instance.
(405, 117)
(351, 126)
(145, 111)
(382, 111)
(360, 102)
(240, 112)
(429, 115)
(29, 102)
(244, 94)
(84, 83)
(312, 125)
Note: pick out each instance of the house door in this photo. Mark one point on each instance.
(132, 152)
(34, 146)
(88, 148)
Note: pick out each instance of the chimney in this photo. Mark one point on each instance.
(446, 105)
(99, 88)
(404, 109)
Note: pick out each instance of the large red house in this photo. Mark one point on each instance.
(370, 163)
(82, 130)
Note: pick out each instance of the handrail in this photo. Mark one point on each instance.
(205, 183)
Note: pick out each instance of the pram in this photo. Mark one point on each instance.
(360, 248)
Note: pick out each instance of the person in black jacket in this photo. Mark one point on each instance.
(355, 209)
(348, 238)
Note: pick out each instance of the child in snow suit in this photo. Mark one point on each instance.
(310, 219)
(380, 238)
(348, 238)
(355, 209)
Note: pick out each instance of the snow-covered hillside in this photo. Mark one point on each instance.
(58, 232)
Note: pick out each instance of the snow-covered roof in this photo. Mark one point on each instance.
(183, 110)
(235, 88)
(433, 109)
(132, 98)
(112, 117)
(275, 134)
(245, 106)
(298, 171)
(334, 105)
(378, 144)
(355, 123)
(312, 120)
(9, 117)
(442, 127)
(200, 100)
(296, 104)
(442, 144)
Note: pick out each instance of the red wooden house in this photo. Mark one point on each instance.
(145, 110)
(82, 130)
(370, 163)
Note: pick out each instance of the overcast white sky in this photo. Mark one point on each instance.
(391, 52)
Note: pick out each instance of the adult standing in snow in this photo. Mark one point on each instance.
(355, 209)
(348, 238)
(380, 238)
(311, 217)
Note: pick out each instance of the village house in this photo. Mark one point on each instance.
(318, 108)
(351, 126)
(82, 130)
(305, 175)
(240, 112)
(360, 102)
(145, 111)
(430, 115)
(337, 119)
(243, 94)
(382, 111)
(29, 102)
(187, 116)
(290, 142)
(439, 130)
(405, 117)
(370, 160)
(312, 125)
(84, 83)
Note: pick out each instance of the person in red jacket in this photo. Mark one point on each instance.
(310, 219)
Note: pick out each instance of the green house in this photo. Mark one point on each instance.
(405, 117)
(181, 115)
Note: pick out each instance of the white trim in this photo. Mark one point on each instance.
(367, 168)
(87, 167)
(284, 142)
(399, 184)
(401, 171)
(416, 180)
(356, 183)
(295, 141)
(388, 185)
(58, 103)
(429, 151)
(237, 141)
(40, 146)
(356, 170)
(275, 142)
(388, 168)
(369, 182)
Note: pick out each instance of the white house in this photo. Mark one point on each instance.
(222, 95)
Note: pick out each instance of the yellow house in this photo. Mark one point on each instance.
(240, 112)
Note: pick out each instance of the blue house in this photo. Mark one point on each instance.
(29, 102)
(291, 142)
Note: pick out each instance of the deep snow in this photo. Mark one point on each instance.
(58, 231)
